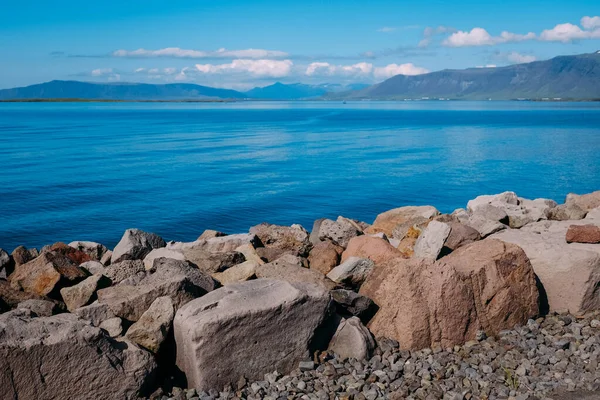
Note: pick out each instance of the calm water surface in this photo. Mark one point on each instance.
(88, 171)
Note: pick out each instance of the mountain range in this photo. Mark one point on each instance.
(566, 77)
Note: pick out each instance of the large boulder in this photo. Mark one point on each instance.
(151, 330)
(586, 202)
(46, 274)
(73, 254)
(179, 280)
(565, 212)
(460, 235)
(22, 255)
(218, 244)
(376, 249)
(249, 329)
(161, 252)
(280, 240)
(340, 231)
(135, 245)
(487, 285)
(94, 250)
(63, 357)
(123, 270)
(351, 304)
(583, 234)
(352, 340)
(352, 272)
(288, 268)
(238, 273)
(569, 273)
(324, 256)
(10, 298)
(96, 313)
(387, 221)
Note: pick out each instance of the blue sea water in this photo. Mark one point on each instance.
(88, 171)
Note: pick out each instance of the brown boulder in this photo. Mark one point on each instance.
(10, 297)
(325, 256)
(586, 202)
(583, 234)
(376, 249)
(47, 274)
(22, 255)
(487, 285)
(387, 221)
(288, 268)
(460, 235)
(73, 254)
(209, 233)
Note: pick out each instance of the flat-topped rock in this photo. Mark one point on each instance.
(135, 245)
(288, 268)
(376, 249)
(586, 202)
(387, 221)
(269, 324)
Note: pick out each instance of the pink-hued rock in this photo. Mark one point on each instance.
(583, 234)
(488, 285)
(586, 202)
(376, 249)
(387, 221)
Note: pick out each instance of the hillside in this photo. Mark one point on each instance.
(297, 91)
(566, 77)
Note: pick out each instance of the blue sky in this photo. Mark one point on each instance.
(241, 44)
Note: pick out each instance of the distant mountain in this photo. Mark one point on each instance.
(118, 91)
(565, 77)
(297, 91)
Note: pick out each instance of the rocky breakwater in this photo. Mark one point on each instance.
(498, 300)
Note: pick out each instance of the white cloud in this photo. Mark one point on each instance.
(257, 68)
(176, 52)
(430, 32)
(590, 22)
(394, 69)
(481, 37)
(106, 73)
(568, 32)
(487, 66)
(327, 69)
(387, 29)
(518, 58)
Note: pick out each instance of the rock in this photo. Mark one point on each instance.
(352, 272)
(209, 233)
(179, 280)
(112, 326)
(288, 268)
(47, 274)
(238, 273)
(76, 256)
(594, 213)
(460, 235)
(324, 256)
(352, 340)
(64, 357)
(583, 234)
(487, 285)
(220, 244)
(93, 267)
(306, 365)
(164, 253)
(96, 313)
(40, 308)
(135, 245)
(484, 226)
(520, 211)
(566, 212)
(105, 260)
(271, 325)
(375, 249)
(491, 213)
(387, 221)
(7, 264)
(84, 292)
(586, 202)
(351, 304)
(151, 330)
(213, 262)
(461, 215)
(340, 232)
(22, 255)
(569, 273)
(120, 271)
(281, 240)
(94, 250)
(250, 253)
(430, 243)
(412, 228)
(314, 233)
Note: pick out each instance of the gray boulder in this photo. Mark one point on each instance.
(460, 235)
(162, 252)
(280, 240)
(40, 308)
(179, 280)
(6, 264)
(95, 250)
(63, 357)
(430, 243)
(220, 244)
(151, 330)
(112, 326)
(96, 313)
(84, 292)
(353, 271)
(269, 324)
(352, 340)
(93, 267)
(288, 268)
(120, 271)
(135, 245)
(238, 273)
(351, 304)
(565, 212)
(339, 232)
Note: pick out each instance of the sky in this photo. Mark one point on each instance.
(242, 44)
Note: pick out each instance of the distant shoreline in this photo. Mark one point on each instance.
(68, 100)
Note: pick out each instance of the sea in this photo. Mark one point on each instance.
(88, 171)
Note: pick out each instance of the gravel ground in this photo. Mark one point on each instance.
(555, 357)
